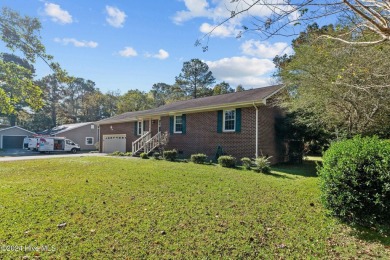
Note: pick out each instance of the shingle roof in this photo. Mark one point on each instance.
(243, 97)
(64, 128)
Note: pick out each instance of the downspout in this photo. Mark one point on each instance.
(257, 130)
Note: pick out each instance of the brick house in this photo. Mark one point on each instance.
(242, 124)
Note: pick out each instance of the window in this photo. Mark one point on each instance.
(139, 128)
(92, 126)
(229, 120)
(89, 140)
(178, 124)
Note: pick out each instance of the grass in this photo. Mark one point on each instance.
(118, 208)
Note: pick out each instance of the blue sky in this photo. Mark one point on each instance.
(123, 45)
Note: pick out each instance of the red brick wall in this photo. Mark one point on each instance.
(202, 137)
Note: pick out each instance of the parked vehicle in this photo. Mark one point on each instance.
(57, 144)
(26, 140)
(33, 143)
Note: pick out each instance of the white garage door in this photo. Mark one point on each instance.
(112, 143)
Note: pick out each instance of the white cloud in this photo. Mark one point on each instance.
(222, 31)
(265, 49)
(77, 43)
(57, 14)
(219, 10)
(116, 17)
(162, 54)
(250, 72)
(195, 8)
(128, 52)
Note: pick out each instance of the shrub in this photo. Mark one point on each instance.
(117, 153)
(128, 154)
(227, 161)
(170, 155)
(199, 158)
(144, 156)
(355, 181)
(263, 164)
(156, 156)
(246, 162)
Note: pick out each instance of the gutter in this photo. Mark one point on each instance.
(257, 130)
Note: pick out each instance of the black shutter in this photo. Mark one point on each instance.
(184, 122)
(219, 121)
(171, 121)
(135, 128)
(238, 120)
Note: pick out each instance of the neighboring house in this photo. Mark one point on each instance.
(241, 124)
(84, 134)
(12, 137)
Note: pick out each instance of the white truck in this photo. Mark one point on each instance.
(57, 144)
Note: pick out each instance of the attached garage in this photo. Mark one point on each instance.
(112, 143)
(12, 137)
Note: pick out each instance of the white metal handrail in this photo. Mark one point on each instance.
(138, 144)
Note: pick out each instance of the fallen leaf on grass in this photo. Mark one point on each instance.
(62, 225)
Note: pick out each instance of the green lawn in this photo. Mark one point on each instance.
(128, 208)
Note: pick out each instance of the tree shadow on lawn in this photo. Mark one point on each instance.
(371, 235)
(305, 169)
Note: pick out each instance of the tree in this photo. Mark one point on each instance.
(109, 104)
(272, 18)
(195, 78)
(16, 77)
(163, 93)
(222, 88)
(53, 92)
(76, 93)
(134, 100)
(240, 88)
(21, 34)
(344, 88)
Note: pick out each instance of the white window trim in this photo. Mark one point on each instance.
(223, 122)
(174, 124)
(86, 142)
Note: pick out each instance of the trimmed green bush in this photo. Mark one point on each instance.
(355, 181)
(156, 155)
(263, 164)
(246, 162)
(198, 158)
(227, 161)
(117, 153)
(170, 155)
(144, 156)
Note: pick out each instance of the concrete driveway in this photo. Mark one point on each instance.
(21, 154)
(17, 152)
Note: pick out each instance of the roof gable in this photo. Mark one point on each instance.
(8, 128)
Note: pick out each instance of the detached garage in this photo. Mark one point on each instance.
(112, 143)
(12, 137)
